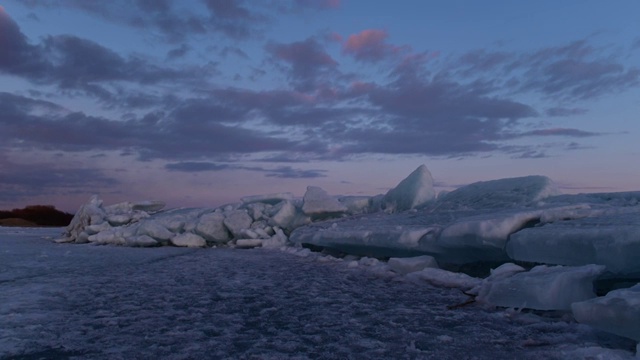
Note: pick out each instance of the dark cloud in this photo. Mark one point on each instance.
(235, 19)
(287, 172)
(80, 67)
(572, 72)
(559, 132)
(307, 63)
(196, 166)
(17, 56)
(317, 4)
(280, 172)
(20, 107)
(561, 111)
(406, 141)
(75, 63)
(153, 136)
(179, 52)
(531, 154)
(232, 50)
(582, 79)
(441, 101)
(21, 182)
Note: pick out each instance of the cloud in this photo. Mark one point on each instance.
(196, 166)
(179, 52)
(232, 50)
(576, 71)
(17, 56)
(559, 132)
(156, 135)
(318, 4)
(425, 104)
(82, 67)
(21, 182)
(561, 111)
(369, 46)
(233, 19)
(287, 172)
(583, 79)
(307, 63)
(444, 102)
(531, 154)
(481, 60)
(572, 72)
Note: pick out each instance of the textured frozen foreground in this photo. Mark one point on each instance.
(105, 302)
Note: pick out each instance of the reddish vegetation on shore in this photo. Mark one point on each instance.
(35, 215)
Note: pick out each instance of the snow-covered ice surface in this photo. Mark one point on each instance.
(107, 302)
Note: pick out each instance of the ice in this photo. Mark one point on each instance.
(505, 270)
(498, 194)
(542, 288)
(370, 239)
(106, 237)
(610, 240)
(236, 221)
(188, 240)
(412, 264)
(271, 199)
(248, 243)
(356, 204)
(141, 241)
(618, 312)
(317, 203)
(456, 237)
(118, 220)
(154, 230)
(148, 206)
(446, 278)
(487, 233)
(414, 191)
(285, 215)
(211, 227)
(96, 302)
(90, 213)
(598, 353)
(278, 239)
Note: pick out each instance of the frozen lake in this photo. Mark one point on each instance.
(105, 302)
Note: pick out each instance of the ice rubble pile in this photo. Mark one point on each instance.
(261, 220)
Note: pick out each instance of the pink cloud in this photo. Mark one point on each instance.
(369, 46)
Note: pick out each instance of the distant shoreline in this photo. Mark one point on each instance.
(35, 216)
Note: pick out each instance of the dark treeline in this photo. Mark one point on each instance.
(39, 215)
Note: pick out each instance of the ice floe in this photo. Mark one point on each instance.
(541, 288)
(618, 312)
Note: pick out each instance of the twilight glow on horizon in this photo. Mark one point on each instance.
(201, 102)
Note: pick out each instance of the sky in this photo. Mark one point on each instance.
(201, 102)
